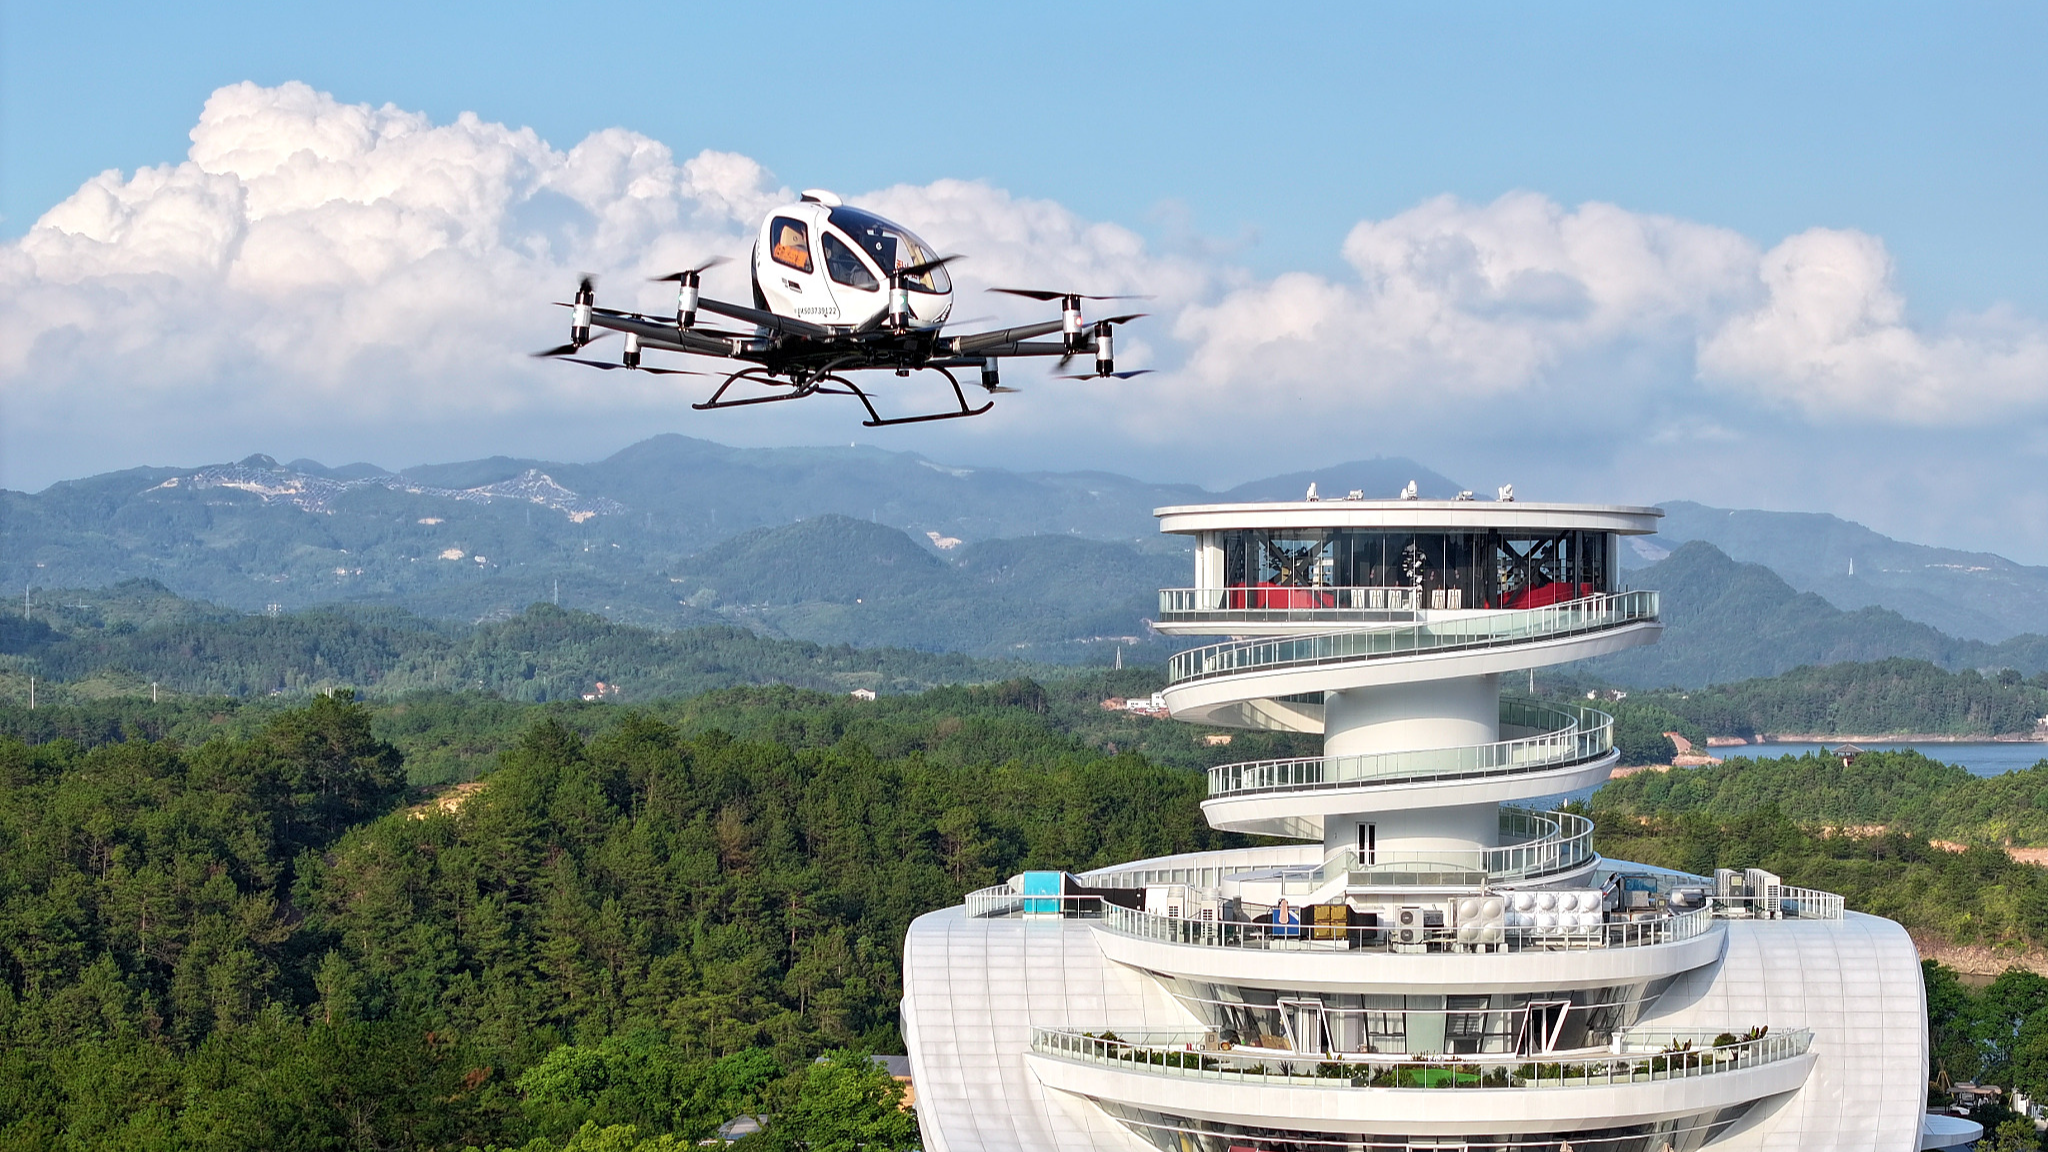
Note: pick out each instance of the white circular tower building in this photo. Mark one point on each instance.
(1429, 958)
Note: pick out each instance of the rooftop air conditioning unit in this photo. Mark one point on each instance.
(1167, 900)
(1412, 925)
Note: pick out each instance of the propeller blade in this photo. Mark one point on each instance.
(912, 271)
(1003, 388)
(672, 371)
(607, 365)
(706, 266)
(1043, 294)
(1110, 375)
(1124, 319)
(565, 349)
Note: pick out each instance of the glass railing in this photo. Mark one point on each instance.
(1535, 845)
(1284, 605)
(1641, 1056)
(1265, 936)
(1540, 844)
(1479, 631)
(1574, 736)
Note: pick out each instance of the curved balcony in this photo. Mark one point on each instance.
(1477, 632)
(1572, 748)
(1640, 1056)
(1537, 846)
(1648, 1076)
(1259, 935)
(1565, 737)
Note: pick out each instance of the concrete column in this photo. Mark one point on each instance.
(1401, 717)
(1462, 829)
(1208, 560)
(1426, 714)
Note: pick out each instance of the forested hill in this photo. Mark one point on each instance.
(1726, 621)
(1971, 595)
(1900, 790)
(125, 639)
(657, 923)
(247, 943)
(1886, 697)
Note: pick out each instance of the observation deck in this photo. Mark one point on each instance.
(1642, 1077)
(1566, 748)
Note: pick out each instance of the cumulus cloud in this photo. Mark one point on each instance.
(1830, 338)
(318, 261)
(365, 273)
(1475, 300)
(1525, 296)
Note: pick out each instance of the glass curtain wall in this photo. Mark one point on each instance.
(1395, 1023)
(1451, 569)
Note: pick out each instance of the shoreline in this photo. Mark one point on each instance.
(1769, 738)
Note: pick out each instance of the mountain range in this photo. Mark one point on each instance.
(868, 547)
(1971, 595)
(813, 543)
(1726, 620)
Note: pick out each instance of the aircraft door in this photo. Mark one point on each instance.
(854, 286)
(791, 277)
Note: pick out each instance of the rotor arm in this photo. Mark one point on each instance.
(1020, 348)
(661, 333)
(975, 342)
(767, 320)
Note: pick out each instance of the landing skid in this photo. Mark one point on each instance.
(823, 385)
(796, 391)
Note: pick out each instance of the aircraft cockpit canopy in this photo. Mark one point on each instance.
(890, 246)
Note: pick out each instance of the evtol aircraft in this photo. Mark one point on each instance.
(839, 290)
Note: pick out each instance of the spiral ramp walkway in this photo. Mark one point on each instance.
(1429, 929)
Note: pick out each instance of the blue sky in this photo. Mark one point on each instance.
(1285, 123)
(1242, 146)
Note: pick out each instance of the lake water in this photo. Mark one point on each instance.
(1988, 758)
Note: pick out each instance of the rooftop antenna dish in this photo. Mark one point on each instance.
(1410, 492)
(1506, 495)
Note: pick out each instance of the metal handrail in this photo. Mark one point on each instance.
(1279, 604)
(1634, 1063)
(1479, 631)
(1264, 935)
(1584, 736)
(1541, 844)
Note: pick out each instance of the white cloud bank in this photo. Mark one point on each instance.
(364, 280)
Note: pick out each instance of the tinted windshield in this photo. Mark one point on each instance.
(844, 266)
(892, 247)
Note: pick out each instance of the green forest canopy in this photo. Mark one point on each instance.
(247, 942)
